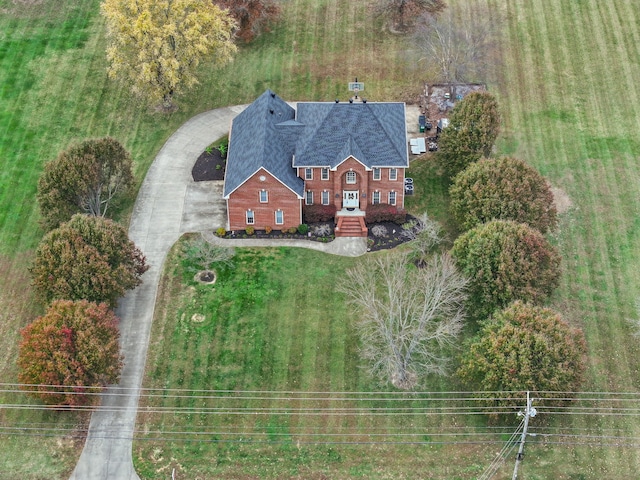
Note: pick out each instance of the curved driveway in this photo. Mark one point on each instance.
(169, 204)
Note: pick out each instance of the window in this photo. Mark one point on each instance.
(376, 198)
(309, 198)
(392, 198)
(325, 174)
(325, 197)
(264, 196)
(250, 217)
(351, 178)
(376, 174)
(308, 173)
(279, 217)
(393, 174)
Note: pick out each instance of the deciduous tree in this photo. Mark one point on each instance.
(409, 314)
(524, 347)
(473, 128)
(88, 258)
(157, 46)
(456, 50)
(86, 178)
(424, 233)
(504, 189)
(204, 253)
(251, 16)
(402, 12)
(70, 353)
(505, 261)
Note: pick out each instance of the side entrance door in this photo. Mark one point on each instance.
(350, 199)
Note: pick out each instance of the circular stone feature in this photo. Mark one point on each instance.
(207, 277)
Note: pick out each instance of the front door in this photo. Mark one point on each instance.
(350, 199)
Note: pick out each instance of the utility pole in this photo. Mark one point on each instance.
(528, 413)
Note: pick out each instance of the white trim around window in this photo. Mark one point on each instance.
(325, 197)
(308, 198)
(393, 174)
(279, 217)
(324, 173)
(264, 196)
(375, 198)
(351, 177)
(392, 198)
(251, 219)
(308, 173)
(376, 173)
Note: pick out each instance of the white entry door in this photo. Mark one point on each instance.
(350, 199)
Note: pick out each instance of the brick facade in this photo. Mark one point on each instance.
(365, 184)
(279, 197)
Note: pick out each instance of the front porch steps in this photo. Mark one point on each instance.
(351, 226)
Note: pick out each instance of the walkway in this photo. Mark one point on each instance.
(169, 204)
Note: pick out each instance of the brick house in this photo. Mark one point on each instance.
(281, 160)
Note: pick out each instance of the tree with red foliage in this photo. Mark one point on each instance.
(70, 353)
(252, 16)
(87, 258)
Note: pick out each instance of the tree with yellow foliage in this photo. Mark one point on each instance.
(157, 45)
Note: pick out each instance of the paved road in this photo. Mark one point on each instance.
(169, 204)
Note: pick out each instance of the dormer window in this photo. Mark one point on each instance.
(351, 178)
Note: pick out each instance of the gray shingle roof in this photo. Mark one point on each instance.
(258, 142)
(374, 133)
(268, 133)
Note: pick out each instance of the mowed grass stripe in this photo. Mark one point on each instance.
(593, 236)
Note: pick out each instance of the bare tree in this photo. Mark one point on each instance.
(204, 254)
(409, 315)
(456, 49)
(424, 233)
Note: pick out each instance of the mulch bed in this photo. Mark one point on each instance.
(391, 239)
(209, 166)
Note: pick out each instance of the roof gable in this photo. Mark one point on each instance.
(257, 141)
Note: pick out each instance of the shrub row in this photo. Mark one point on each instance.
(383, 212)
(319, 213)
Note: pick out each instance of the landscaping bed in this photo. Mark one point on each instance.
(381, 235)
(209, 166)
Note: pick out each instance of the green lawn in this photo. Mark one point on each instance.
(567, 87)
(273, 323)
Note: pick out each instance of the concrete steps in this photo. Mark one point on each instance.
(351, 226)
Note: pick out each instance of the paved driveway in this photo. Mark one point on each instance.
(169, 203)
